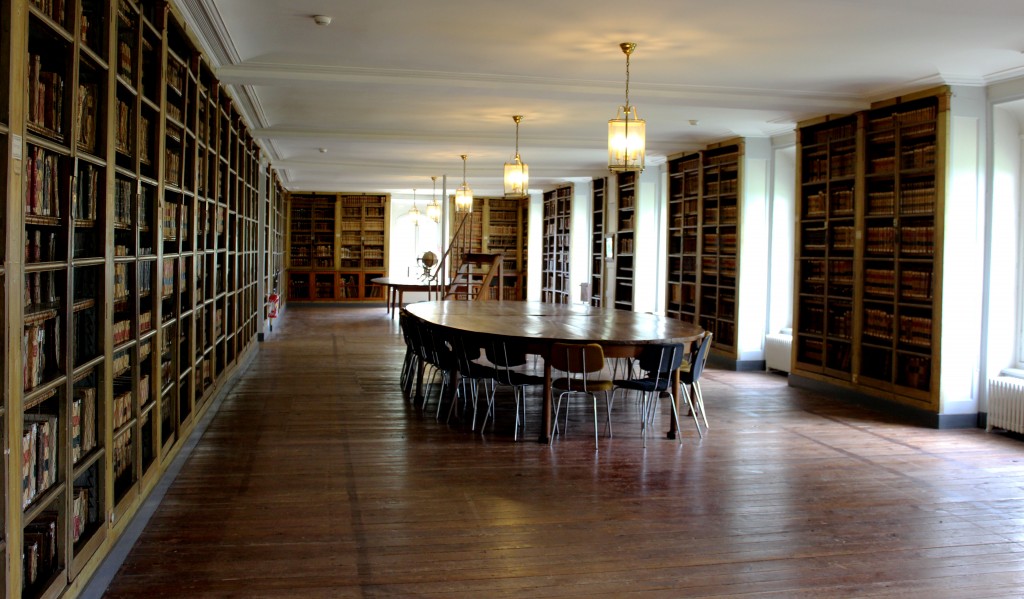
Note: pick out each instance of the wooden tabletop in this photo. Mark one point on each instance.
(540, 321)
(409, 284)
(621, 333)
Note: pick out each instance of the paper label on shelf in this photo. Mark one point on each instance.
(16, 147)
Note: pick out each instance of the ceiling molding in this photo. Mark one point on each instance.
(248, 104)
(251, 73)
(205, 19)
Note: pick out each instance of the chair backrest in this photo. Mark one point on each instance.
(701, 358)
(661, 360)
(505, 353)
(577, 358)
(466, 349)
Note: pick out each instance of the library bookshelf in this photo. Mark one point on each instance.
(625, 227)
(704, 221)
(496, 225)
(129, 273)
(555, 245)
(337, 244)
(597, 240)
(869, 248)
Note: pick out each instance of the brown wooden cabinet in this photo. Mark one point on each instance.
(704, 222)
(625, 227)
(555, 245)
(868, 248)
(597, 240)
(337, 244)
(132, 195)
(496, 225)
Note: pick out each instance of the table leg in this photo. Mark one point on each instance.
(401, 299)
(545, 433)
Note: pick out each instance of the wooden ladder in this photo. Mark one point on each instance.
(477, 275)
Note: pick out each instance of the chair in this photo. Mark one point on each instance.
(436, 352)
(410, 363)
(506, 356)
(691, 379)
(466, 350)
(658, 363)
(579, 361)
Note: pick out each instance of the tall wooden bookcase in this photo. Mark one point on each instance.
(496, 225)
(129, 283)
(337, 244)
(597, 251)
(869, 248)
(704, 218)
(625, 227)
(829, 187)
(555, 245)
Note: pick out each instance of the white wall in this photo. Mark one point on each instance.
(782, 237)
(963, 251)
(534, 261)
(1004, 259)
(752, 287)
(648, 242)
(579, 238)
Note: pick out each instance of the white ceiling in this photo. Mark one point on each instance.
(393, 91)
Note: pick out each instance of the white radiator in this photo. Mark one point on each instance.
(1006, 404)
(778, 349)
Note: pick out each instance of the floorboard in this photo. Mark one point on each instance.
(317, 478)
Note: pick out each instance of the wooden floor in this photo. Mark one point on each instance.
(317, 479)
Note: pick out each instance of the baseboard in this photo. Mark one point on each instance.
(908, 414)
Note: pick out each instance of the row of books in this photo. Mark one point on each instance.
(122, 331)
(39, 549)
(86, 109)
(832, 133)
(45, 98)
(124, 192)
(42, 182)
(40, 245)
(83, 422)
(38, 341)
(83, 511)
(916, 330)
(122, 452)
(122, 362)
(175, 221)
(89, 186)
(39, 455)
(55, 9)
(122, 409)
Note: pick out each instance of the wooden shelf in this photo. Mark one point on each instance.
(625, 227)
(704, 223)
(597, 240)
(869, 233)
(141, 246)
(555, 245)
(336, 244)
(497, 225)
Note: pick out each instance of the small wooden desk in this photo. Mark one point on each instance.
(396, 288)
(621, 333)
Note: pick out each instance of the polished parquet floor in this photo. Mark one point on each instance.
(316, 478)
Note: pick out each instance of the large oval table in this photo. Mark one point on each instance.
(621, 333)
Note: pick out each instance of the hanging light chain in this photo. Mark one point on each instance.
(628, 48)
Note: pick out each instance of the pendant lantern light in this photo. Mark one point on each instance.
(434, 209)
(517, 174)
(463, 195)
(626, 132)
